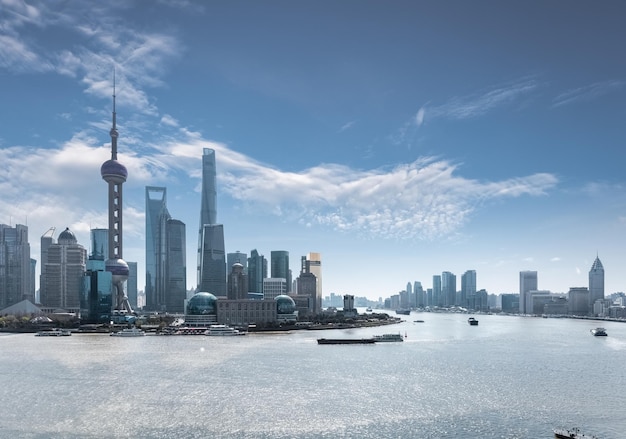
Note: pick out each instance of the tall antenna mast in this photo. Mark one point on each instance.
(113, 131)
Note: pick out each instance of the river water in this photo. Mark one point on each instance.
(508, 377)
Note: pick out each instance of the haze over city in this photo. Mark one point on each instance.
(399, 140)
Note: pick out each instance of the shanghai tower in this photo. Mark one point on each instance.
(211, 250)
(115, 174)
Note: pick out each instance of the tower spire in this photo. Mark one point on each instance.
(113, 131)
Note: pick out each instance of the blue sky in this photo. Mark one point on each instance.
(398, 139)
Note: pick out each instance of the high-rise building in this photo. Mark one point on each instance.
(131, 284)
(237, 258)
(211, 250)
(448, 288)
(420, 296)
(257, 271)
(96, 296)
(312, 263)
(156, 218)
(64, 272)
(176, 266)
(237, 283)
(596, 282)
(46, 241)
(14, 265)
(437, 297)
(274, 287)
(468, 287)
(212, 262)
(115, 174)
(527, 282)
(280, 266)
(166, 267)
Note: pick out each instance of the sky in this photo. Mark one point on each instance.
(398, 139)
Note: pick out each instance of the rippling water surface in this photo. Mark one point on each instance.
(509, 377)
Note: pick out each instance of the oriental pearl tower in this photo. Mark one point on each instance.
(114, 173)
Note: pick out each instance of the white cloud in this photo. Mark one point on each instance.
(478, 104)
(419, 117)
(347, 126)
(588, 92)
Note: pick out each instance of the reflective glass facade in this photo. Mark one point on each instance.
(96, 298)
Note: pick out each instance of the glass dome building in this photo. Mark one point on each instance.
(201, 310)
(285, 309)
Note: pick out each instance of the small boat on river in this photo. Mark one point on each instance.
(129, 332)
(599, 332)
(346, 341)
(222, 330)
(472, 321)
(55, 332)
(574, 433)
(388, 338)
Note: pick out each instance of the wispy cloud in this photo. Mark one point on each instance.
(587, 93)
(463, 107)
(104, 43)
(478, 104)
(347, 126)
(422, 200)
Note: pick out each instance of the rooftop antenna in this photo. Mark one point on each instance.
(113, 131)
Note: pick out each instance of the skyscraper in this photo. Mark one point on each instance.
(280, 266)
(468, 288)
(14, 265)
(166, 267)
(527, 282)
(596, 282)
(211, 250)
(257, 271)
(312, 263)
(176, 266)
(437, 299)
(212, 260)
(64, 272)
(96, 295)
(115, 174)
(448, 288)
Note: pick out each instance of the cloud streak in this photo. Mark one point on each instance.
(587, 93)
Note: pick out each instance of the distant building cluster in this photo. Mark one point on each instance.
(587, 301)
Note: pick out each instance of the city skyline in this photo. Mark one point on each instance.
(405, 140)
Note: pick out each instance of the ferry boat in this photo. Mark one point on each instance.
(574, 433)
(346, 341)
(472, 321)
(403, 311)
(599, 332)
(129, 332)
(222, 330)
(388, 338)
(55, 332)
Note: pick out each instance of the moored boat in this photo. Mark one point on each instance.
(472, 321)
(222, 330)
(388, 338)
(129, 332)
(345, 341)
(55, 332)
(599, 332)
(574, 433)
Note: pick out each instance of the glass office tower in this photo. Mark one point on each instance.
(14, 265)
(166, 277)
(211, 250)
(280, 266)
